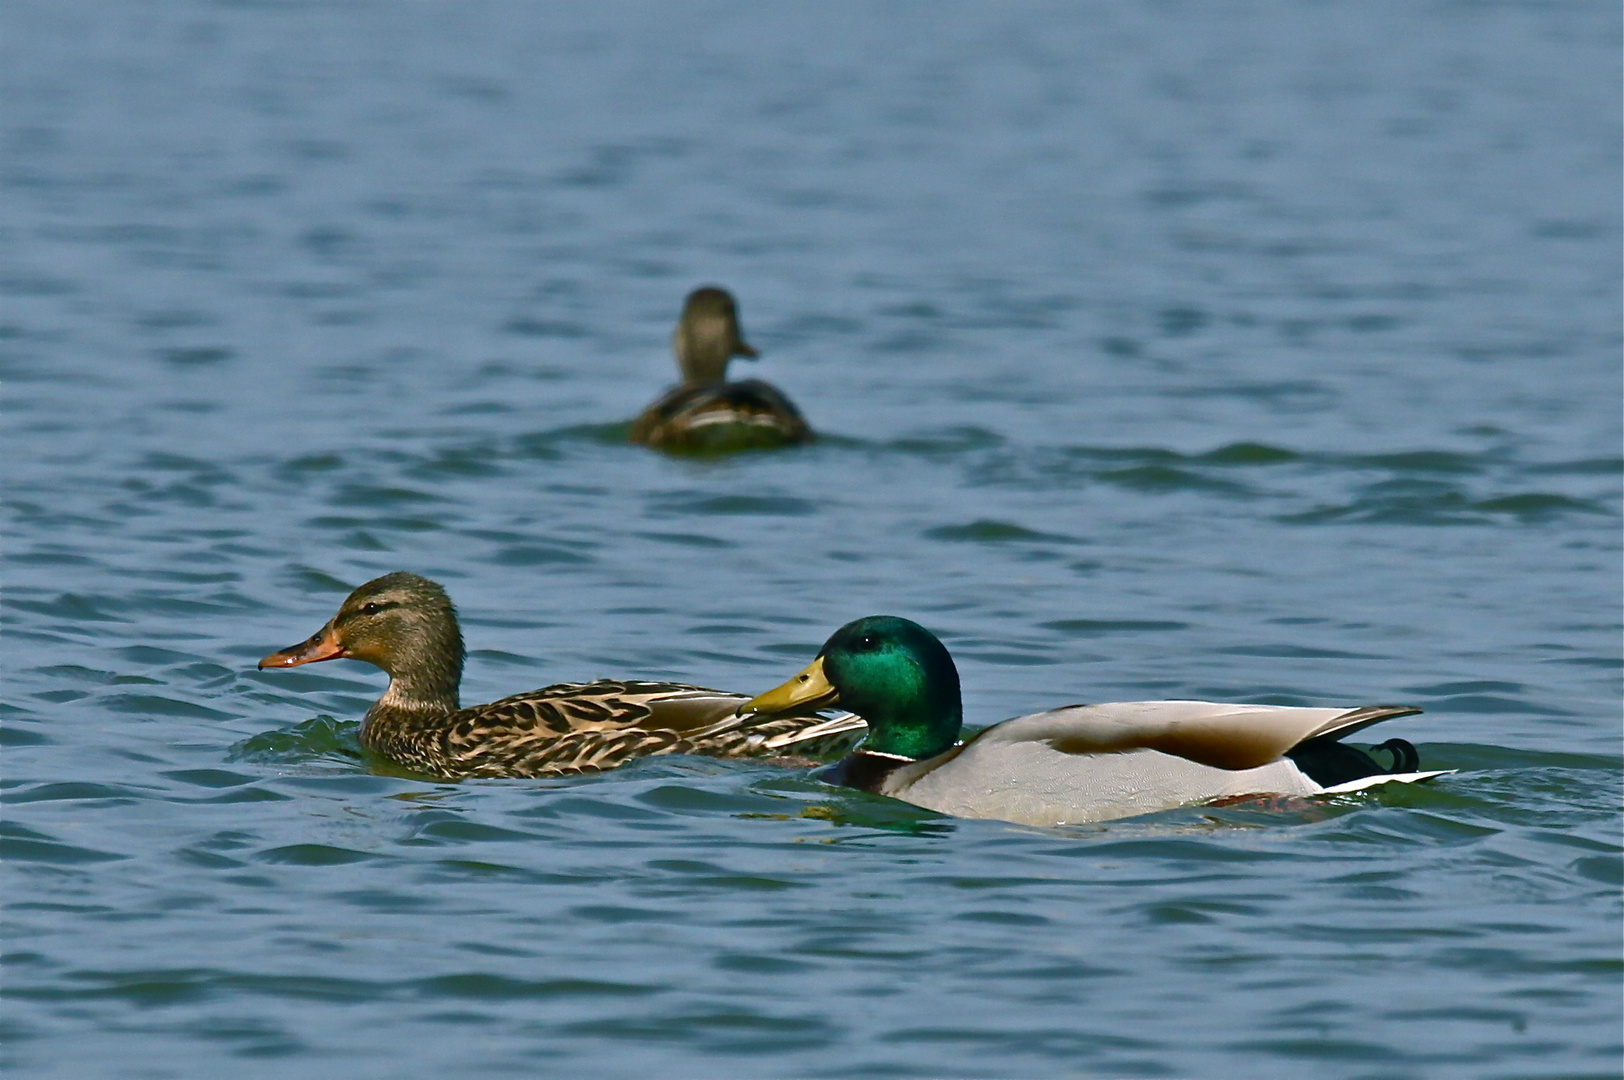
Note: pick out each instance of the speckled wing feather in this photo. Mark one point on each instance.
(576, 727)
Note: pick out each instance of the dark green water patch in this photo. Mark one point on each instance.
(1491, 703)
(1417, 502)
(506, 659)
(1292, 395)
(12, 735)
(1248, 453)
(309, 580)
(693, 540)
(308, 464)
(81, 674)
(1608, 466)
(1474, 757)
(569, 806)
(313, 855)
(319, 738)
(481, 986)
(737, 1032)
(692, 800)
(877, 814)
(947, 441)
(242, 795)
(1162, 479)
(73, 607)
(682, 504)
(1535, 506)
(371, 496)
(553, 444)
(458, 831)
(1317, 1049)
(302, 680)
(1141, 455)
(155, 705)
(617, 914)
(198, 356)
(544, 328)
(987, 531)
(1428, 461)
(70, 791)
(47, 850)
(209, 778)
(537, 555)
(1088, 628)
(457, 462)
(1008, 658)
(1474, 686)
(758, 964)
(1296, 652)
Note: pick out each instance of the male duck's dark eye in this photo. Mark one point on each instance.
(867, 642)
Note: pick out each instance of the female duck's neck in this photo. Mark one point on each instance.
(417, 695)
(406, 723)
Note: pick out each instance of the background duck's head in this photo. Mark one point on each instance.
(400, 622)
(708, 335)
(890, 671)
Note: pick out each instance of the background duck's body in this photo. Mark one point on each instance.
(407, 626)
(706, 413)
(714, 418)
(1082, 763)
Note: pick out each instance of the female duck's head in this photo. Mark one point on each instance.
(708, 336)
(890, 671)
(402, 623)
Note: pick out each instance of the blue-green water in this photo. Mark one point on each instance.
(1248, 351)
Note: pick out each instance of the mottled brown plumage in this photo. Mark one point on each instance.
(407, 626)
(707, 414)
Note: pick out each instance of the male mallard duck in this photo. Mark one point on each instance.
(1077, 764)
(707, 414)
(406, 625)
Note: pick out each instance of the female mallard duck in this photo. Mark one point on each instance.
(707, 414)
(1081, 763)
(406, 625)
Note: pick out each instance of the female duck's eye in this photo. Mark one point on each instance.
(369, 609)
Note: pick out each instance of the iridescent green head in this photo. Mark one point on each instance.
(890, 671)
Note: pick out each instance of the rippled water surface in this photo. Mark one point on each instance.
(1247, 351)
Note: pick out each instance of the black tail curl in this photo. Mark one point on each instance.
(1328, 762)
(1405, 758)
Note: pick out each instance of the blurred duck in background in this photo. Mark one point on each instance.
(706, 414)
(406, 625)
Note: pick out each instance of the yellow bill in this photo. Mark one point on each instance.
(807, 692)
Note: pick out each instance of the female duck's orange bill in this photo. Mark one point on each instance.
(323, 645)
